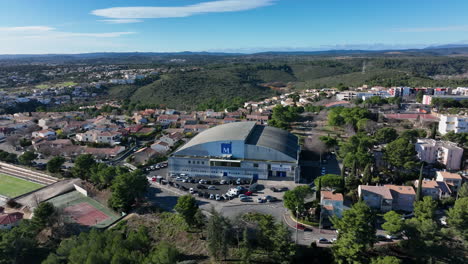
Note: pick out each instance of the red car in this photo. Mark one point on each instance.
(302, 227)
(249, 193)
(153, 179)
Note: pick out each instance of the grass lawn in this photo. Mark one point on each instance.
(12, 186)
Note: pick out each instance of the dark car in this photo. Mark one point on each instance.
(200, 194)
(206, 195)
(274, 189)
(200, 186)
(284, 189)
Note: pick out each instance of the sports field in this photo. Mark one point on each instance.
(83, 210)
(12, 186)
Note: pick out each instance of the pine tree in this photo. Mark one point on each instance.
(343, 179)
(420, 180)
(319, 188)
(367, 177)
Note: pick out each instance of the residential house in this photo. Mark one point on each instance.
(166, 120)
(377, 197)
(144, 155)
(403, 197)
(47, 134)
(453, 180)
(196, 128)
(109, 137)
(161, 147)
(9, 220)
(436, 189)
(332, 203)
(171, 138)
(444, 152)
(104, 153)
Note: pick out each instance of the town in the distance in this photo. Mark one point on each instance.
(298, 171)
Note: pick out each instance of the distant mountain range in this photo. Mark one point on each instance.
(102, 57)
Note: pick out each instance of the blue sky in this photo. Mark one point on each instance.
(66, 26)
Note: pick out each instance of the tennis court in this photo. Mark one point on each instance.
(83, 210)
(12, 187)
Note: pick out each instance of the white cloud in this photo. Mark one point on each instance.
(26, 29)
(35, 32)
(181, 11)
(433, 29)
(121, 21)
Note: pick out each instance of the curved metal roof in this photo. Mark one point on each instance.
(250, 133)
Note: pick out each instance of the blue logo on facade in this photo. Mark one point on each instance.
(226, 148)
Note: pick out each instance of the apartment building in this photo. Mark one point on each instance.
(453, 123)
(444, 152)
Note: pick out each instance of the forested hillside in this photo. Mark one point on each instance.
(228, 83)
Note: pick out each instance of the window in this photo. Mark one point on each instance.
(189, 162)
(255, 165)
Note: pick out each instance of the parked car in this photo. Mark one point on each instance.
(270, 198)
(212, 197)
(200, 186)
(323, 241)
(382, 238)
(274, 189)
(200, 194)
(238, 181)
(223, 182)
(300, 226)
(284, 189)
(260, 200)
(206, 195)
(245, 199)
(211, 187)
(225, 197)
(202, 181)
(249, 193)
(179, 178)
(218, 197)
(191, 190)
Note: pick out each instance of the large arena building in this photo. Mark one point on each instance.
(239, 150)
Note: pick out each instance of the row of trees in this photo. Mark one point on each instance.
(426, 240)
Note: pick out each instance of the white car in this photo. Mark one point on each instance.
(202, 182)
(212, 197)
(223, 182)
(218, 197)
(191, 190)
(211, 187)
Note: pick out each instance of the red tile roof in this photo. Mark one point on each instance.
(8, 219)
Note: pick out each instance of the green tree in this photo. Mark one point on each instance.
(385, 260)
(218, 232)
(245, 250)
(385, 135)
(44, 215)
(83, 165)
(163, 253)
(458, 217)
(329, 180)
(400, 153)
(294, 199)
(367, 174)
(425, 209)
(420, 181)
(356, 233)
(319, 190)
(187, 207)
(394, 223)
(330, 142)
(126, 189)
(27, 157)
(54, 165)
(419, 96)
(463, 192)
(284, 249)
